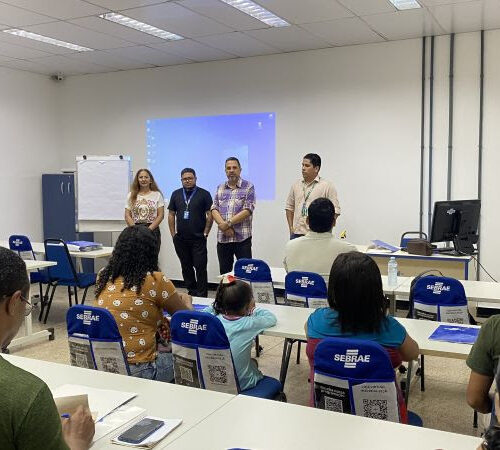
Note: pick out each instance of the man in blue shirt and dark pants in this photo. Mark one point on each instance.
(190, 221)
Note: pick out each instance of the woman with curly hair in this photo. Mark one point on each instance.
(145, 205)
(136, 292)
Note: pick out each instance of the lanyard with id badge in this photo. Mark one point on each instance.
(306, 197)
(187, 201)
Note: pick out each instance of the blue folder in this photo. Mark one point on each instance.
(455, 333)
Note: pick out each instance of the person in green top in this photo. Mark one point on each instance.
(29, 418)
(483, 362)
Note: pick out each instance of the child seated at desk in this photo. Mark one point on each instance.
(235, 307)
(358, 309)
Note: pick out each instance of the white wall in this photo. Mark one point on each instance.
(29, 147)
(358, 107)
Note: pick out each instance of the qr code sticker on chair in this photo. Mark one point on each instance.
(217, 374)
(109, 364)
(186, 374)
(333, 404)
(375, 409)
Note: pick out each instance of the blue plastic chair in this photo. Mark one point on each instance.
(258, 274)
(439, 299)
(303, 290)
(356, 377)
(203, 359)
(94, 340)
(63, 274)
(22, 245)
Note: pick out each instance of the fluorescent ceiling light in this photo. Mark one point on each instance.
(405, 4)
(140, 26)
(47, 40)
(257, 11)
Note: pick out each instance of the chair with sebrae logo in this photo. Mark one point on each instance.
(356, 377)
(440, 299)
(203, 359)
(303, 290)
(94, 340)
(258, 274)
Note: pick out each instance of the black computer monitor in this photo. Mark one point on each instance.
(457, 221)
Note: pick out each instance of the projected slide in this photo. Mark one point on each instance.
(204, 143)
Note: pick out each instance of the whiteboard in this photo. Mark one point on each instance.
(103, 183)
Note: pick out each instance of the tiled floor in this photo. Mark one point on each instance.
(442, 406)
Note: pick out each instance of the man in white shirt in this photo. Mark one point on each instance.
(316, 251)
(304, 192)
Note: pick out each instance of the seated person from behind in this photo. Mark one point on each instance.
(235, 307)
(29, 418)
(316, 251)
(358, 310)
(134, 290)
(483, 362)
(492, 435)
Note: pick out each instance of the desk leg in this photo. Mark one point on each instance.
(285, 360)
(408, 382)
(392, 304)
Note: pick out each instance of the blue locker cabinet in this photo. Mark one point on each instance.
(59, 211)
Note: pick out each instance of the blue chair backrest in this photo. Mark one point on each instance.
(201, 352)
(440, 299)
(57, 250)
(305, 289)
(258, 274)
(94, 340)
(355, 377)
(22, 245)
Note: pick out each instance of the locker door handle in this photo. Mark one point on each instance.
(69, 187)
(62, 187)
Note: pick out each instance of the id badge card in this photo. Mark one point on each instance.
(186, 215)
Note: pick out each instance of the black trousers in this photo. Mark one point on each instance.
(226, 253)
(192, 254)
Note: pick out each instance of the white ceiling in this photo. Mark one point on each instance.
(214, 30)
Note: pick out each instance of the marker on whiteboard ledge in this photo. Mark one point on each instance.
(343, 234)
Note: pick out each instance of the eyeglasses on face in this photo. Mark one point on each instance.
(28, 305)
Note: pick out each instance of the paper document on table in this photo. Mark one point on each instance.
(103, 401)
(70, 403)
(384, 245)
(455, 334)
(149, 442)
(120, 417)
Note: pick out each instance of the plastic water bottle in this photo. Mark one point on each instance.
(392, 272)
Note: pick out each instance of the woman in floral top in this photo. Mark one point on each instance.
(133, 289)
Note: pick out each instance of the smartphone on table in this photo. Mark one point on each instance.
(141, 430)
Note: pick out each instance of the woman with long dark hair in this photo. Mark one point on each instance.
(136, 292)
(358, 309)
(145, 205)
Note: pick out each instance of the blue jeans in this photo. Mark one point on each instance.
(162, 369)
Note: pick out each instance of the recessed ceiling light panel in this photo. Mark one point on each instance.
(140, 26)
(258, 12)
(405, 4)
(47, 40)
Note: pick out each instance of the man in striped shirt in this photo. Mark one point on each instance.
(232, 210)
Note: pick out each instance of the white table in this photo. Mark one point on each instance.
(253, 423)
(411, 265)
(159, 399)
(30, 337)
(278, 275)
(39, 248)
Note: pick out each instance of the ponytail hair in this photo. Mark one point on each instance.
(232, 296)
